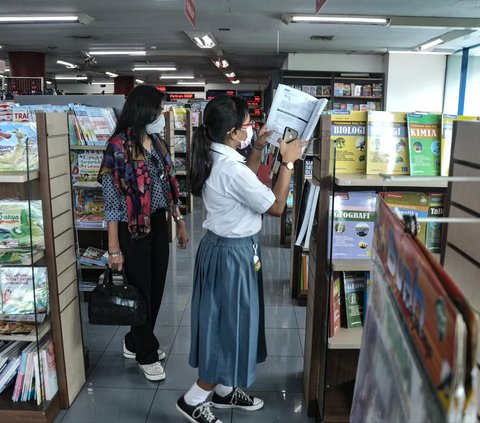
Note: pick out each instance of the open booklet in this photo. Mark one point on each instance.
(295, 109)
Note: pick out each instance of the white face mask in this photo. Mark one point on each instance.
(246, 142)
(157, 126)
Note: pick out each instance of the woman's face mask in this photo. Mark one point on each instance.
(157, 126)
(246, 142)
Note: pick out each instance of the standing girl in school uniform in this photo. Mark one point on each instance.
(228, 334)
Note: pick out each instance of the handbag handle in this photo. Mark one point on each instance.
(108, 277)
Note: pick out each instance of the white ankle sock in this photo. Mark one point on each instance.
(196, 395)
(223, 390)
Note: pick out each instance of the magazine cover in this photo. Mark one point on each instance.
(6, 110)
(353, 288)
(353, 224)
(424, 133)
(446, 142)
(433, 230)
(16, 141)
(180, 117)
(409, 294)
(387, 144)
(180, 143)
(17, 286)
(19, 222)
(88, 166)
(88, 202)
(348, 133)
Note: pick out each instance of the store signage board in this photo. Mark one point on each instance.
(319, 5)
(180, 96)
(190, 11)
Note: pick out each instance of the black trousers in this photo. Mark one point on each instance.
(146, 263)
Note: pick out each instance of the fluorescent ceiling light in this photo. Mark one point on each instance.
(113, 75)
(78, 78)
(118, 52)
(177, 77)
(236, 81)
(29, 19)
(230, 75)
(354, 20)
(139, 81)
(155, 68)
(190, 83)
(205, 41)
(67, 64)
(446, 53)
(49, 82)
(102, 83)
(7, 69)
(431, 44)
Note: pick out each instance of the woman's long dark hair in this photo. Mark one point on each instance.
(220, 115)
(142, 107)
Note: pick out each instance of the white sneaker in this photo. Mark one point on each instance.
(129, 354)
(153, 371)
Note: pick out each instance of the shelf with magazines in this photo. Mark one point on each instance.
(182, 141)
(346, 216)
(304, 223)
(39, 306)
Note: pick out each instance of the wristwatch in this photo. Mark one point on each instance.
(288, 165)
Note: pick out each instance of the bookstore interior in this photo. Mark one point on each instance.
(379, 238)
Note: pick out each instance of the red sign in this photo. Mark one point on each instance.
(190, 11)
(161, 88)
(320, 4)
(180, 96)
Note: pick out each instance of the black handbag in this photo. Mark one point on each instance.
(120, 305)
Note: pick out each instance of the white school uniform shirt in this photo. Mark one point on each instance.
(234, 197)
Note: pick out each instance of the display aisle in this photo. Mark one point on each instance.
(117, 391)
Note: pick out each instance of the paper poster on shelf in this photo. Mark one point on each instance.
(446, 141)
(417, 326)
(387, 144)
(17, 141)
(295, 109)
(424, 133)
(348, 133)
(89, 166)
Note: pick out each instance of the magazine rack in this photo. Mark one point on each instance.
(330, 363)
(49, 186)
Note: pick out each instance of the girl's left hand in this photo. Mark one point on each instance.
(182, 235)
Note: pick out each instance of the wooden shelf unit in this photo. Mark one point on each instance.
(330, 362)
(53, 187)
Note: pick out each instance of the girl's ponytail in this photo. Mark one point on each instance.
(202, 160)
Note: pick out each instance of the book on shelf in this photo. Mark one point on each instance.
(424, 134)
(335, 315)
(295, 109)
(94, 256)
(446, 140)
(307, 213)
(308, 167)
(180, 143)
(304, 263)
(88, 167)
(180, 118)
(18, 147)
(180, 164)
(89, 203)
(353, 287)
(348, 133)
(354, 218)
(90, 221)
(24, 290)
(420, 331)
(21, 225)
(25, 256)
(387, 144)
(433, 230)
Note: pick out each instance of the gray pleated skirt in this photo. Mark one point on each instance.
(228, 317)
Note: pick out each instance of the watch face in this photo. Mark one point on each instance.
(289, 165)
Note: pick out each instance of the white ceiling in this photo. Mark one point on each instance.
(250, 45)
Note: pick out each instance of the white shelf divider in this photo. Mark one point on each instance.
(346, 339)
(361, 180)
(18, 177)
(360, 265)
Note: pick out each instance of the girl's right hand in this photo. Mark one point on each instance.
(291, 151)
(116, 263)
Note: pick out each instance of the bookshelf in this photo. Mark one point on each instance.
(51, 184)
(331, 361)
(345, 91)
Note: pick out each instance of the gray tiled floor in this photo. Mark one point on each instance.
(117, 392)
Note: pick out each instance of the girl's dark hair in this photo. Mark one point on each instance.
(220, 115)
(142, 107)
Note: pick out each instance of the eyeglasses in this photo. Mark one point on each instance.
(252, 124)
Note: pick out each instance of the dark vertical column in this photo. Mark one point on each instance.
(27, 64)
(123, 85)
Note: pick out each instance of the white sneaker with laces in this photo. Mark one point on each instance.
(153, 371)
(130, 354)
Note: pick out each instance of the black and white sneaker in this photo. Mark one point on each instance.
(237, 399)
(201, 413)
